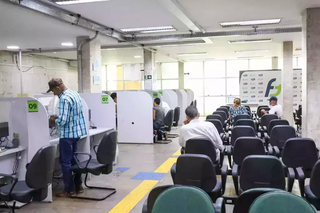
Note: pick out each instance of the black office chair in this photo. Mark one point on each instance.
(259, 113)
(248, 108)
(38, 178)
(224, 109)
(243, 147)
(176, 116)
(168, 122)
(245, 122)
(219, 127)
(276, 122)
(218, 117)
(312, 191)
(246, 199)
(198, 170)
(237, 132)
(106, 154)
(238, 117)
(298, 117)
(300, 154)
(152, 197)
(265, 120)
(279, 135)
(223, 116)
(261, 172)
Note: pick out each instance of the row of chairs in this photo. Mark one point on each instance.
(172, 199)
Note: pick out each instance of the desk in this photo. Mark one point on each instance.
(97, 131)
(56, 140)
(12, 151)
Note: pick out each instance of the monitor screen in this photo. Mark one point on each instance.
(4, 129)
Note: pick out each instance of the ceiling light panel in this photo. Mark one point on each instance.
(250, 57)
(77, 2)
(12, 47)
(149, 29)
(192, 54)
(298, 49)
(250, 41)
(67, 44)
(250, 23)
(249, 51)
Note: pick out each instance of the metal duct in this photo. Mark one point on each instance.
(215, 34)
(72, 18)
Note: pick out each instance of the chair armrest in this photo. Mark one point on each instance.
(300, 172)
(264, 128)
(77, 160)
(221, 157)
(224, 173)
(318, 152)
(228, 150)
(265, 134)
(235, 170)
(14, 179)
(277, 151)
(259, 135)
(220, 205)
(270, 150)
(291, 176)
(95, 148)
(260, 129)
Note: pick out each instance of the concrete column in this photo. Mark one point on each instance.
(311, 74)
(91, 65)
(181, 74)
(275, 62)
(287, 81)
(149, 70)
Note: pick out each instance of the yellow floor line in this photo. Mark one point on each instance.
(177, 153)
(166, 166)
(134, 197)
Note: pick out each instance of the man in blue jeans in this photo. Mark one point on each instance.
(71, 127)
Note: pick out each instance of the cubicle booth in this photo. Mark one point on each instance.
(183, 103)
(170, 97)
(135, 117)
(190, 96)
(28, 118)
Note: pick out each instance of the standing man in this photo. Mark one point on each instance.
(71, 127)
(275, 107)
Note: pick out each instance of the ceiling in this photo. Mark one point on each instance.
(32, 30)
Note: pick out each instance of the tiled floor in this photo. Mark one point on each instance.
(139, 158)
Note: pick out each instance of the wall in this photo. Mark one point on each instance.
(36, 79)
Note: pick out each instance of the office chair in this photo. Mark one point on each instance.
(152, 197)
(312, 191)
(245, 122)
(223, 116)
(224, 137)
(224, 109)
(265, 120)
(38, 178)
(273, 123)
(217, 117)
(168, 122)
(238, 117)
(106, 154)
(176, 116)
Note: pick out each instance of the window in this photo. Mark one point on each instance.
(215, 69)
(193, 69)
(233, 87)
(212, 103)
(196, 85)
(170, 70)
(132, 72)
(170, 84)
(234, 66)
(260, 64)
(214, 87)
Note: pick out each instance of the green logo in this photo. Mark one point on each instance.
(160, 92)
(32, 106)
(105, 99)
(155, 95)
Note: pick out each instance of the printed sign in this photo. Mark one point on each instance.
(155, 95)
(160, 92)
(32, 106)
(105, 99)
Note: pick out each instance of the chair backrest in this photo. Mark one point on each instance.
(201, 146)
(176, 113)
(245, 200)
(223, 109)
(245, 146)
(259, 171)
(222, 114)
(300, 152)
(280, 134)
(183, 199)
(276, 122)
(248, 108)
(218, 117)
(259, 113)
(280, 202)
(238, 117)
(265, 119)
(315, 180)
(242, 131)
(195, 103)
(40, 170)
(168, 119)
(195, 170)
(106, 152)
(154, 194)
(245, 122)
(217, 123)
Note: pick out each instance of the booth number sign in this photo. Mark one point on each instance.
(105, 99)
(32, 106)
(155, 95)
(160, 92)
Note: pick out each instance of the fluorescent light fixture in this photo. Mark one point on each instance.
(54, 52)
(137, 56)
(249, 51)
(77, 2)
(149, 29)
(111, 49)
(298, 49)
(192, 54)
(250, 23)
(67, 44)
(12, 47)
(249, 57)
(250, 41)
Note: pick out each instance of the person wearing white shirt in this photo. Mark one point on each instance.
(196, 129)
(166, 107)
(275, 107)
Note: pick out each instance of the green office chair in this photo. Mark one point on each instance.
(281, 202)
(186, 199)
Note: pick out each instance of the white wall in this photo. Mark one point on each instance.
(36, 79)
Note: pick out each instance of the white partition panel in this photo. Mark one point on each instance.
(189, 96)
(135, 117)
(171, 98)
(182, 101)
(192, 94)
(155, 94)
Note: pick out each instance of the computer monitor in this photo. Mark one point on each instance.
(4, 129)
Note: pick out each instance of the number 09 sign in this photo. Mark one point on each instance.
(32, 106)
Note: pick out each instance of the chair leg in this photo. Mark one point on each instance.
(113, 190)
(301, 186)
(229, 159)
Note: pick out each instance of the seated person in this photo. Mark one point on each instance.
(158, 115)
(196, 129)
(237, 109)
(275, 107)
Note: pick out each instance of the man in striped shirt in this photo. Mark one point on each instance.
(71, 127)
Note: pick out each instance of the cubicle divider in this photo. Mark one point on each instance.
(155, 94)
(170, 97)
(135, 117)
(182, 101)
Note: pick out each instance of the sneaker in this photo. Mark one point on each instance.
(66, 194)
(79, 189)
